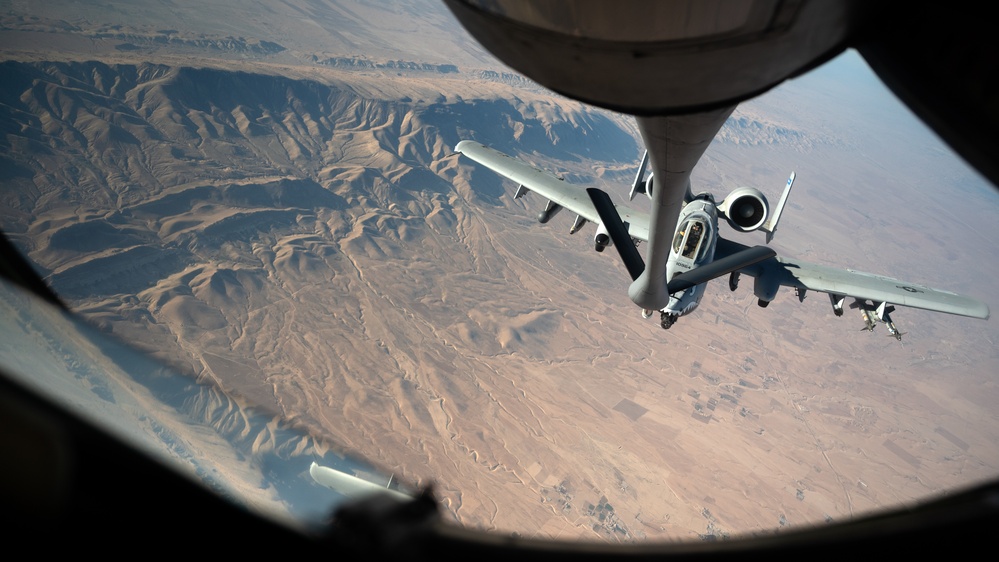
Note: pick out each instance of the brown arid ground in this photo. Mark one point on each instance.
(273, 205)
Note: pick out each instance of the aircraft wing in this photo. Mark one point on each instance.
(350, 485)
(779, 271)
(555, 189)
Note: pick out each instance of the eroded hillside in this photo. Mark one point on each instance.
(314, 247)
(298, 244)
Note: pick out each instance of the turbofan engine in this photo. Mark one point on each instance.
(745, 209)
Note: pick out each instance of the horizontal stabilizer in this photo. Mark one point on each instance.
(720, 267)
(618, 232)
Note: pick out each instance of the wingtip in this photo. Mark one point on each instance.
(462, 144)
(981, 311)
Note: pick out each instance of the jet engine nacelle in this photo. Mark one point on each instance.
(745, 209)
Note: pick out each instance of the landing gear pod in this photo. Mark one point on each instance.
(765, 288)
(837, 303)
(602, 239)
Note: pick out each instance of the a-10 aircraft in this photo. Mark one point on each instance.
(698, 253)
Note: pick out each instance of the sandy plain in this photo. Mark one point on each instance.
(296, 229)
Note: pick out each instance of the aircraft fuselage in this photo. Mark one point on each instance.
(693, 245)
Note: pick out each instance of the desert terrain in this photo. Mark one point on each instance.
(268, 202)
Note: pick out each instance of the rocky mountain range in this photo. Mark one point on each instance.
(272, 207)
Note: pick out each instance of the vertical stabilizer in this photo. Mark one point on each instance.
(640, 186)
(771, 225)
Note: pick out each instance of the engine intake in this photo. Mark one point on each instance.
(745, 209)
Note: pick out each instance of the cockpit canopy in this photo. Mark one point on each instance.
(690, 240)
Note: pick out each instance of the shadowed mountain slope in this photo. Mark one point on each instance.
(316, 248)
